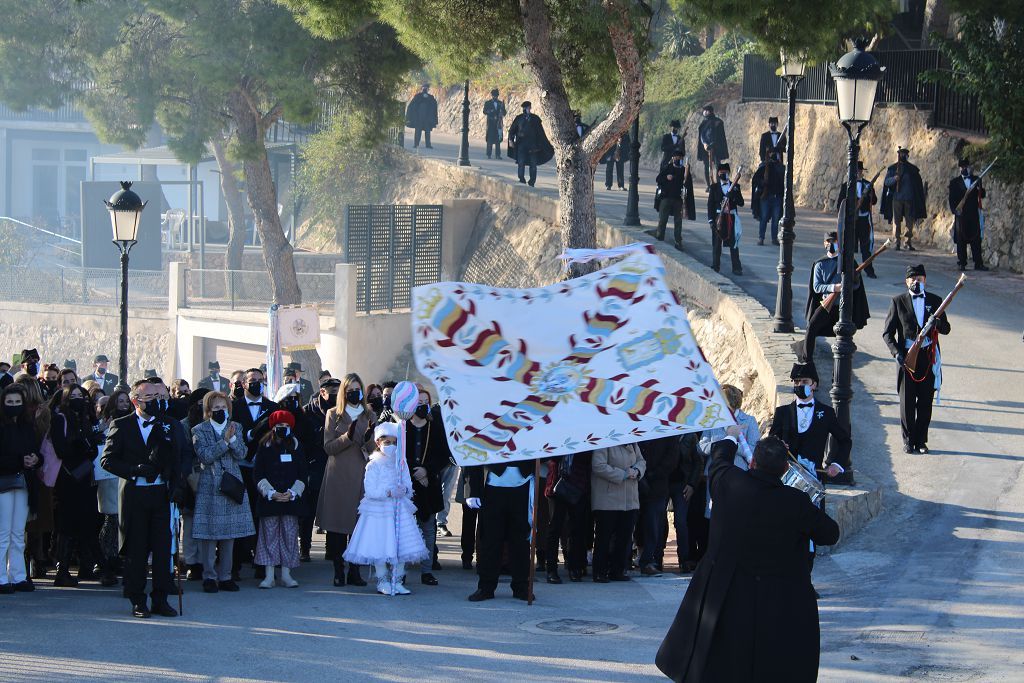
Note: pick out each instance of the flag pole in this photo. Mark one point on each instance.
(533, 531)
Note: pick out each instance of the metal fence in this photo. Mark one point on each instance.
(394, 248)
(900, 87)
(97, 287)
(250, 289)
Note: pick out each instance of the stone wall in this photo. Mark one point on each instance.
(820, 167)
(61, 332)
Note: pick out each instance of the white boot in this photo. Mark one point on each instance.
(399, 575)
(268, 581)
(286, 578)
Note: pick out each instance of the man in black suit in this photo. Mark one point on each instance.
(675, 186)
(908, 313)
(501, 492)
(305, 386)
(316, 459)
(866, 198)
(717, 195)
(146, 450)
(749, 613)
(772, 140)
(670, 142)
(712, 147)
(106, 380)
(214, 381)
(615, 160)
(251, 412)
(805, 426)
(967, 223)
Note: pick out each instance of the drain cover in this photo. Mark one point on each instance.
(576, 627)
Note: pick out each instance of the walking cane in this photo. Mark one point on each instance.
(177, 557)
(533, 532)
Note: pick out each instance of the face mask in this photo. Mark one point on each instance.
(121, 412)
(237, 392)
(802, 391)
(331, 400)
(281, 431)
(154, 407)
(422, 411)
(213, 376)
(14, 411)
(51, 385)
(219, 416)
(255, 388)
(679, 163)
(377, 404)
(723, 178)
(354, 396)
(77, 403)
(707, 114)
(389, 450)
(831, 249)
(101, 371)
(915, 288)
(772, 127)
(965, 172)
(32, 369)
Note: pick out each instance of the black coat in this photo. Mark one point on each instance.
(813, 443)
(527, 131)
(662, 458)
(433, 457)
(715, 197)
(281, 473)
(619, 152)
(765, 147)
(316, 459)
(911, 175)
(966, 226)
(421, 112)
(861, 311)
(18, 439)
(901, 322)
(872, 197)
(476, 478)
(240, 413)
(714, 129)
(749, 613)
(668, 146)
(690, 468)
(681, 181)
(223, 384)
(494, 111)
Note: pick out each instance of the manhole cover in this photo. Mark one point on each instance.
(892, 636)
(576, 627)
(941, 673)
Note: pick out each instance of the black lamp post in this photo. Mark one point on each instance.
(464, 150)
(633, 196)
(792, 73)
(856, 75)
(125, 211)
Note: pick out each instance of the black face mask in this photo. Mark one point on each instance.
(32, 369)
(77, 404)
(802, 391)
(422, 411)
(831, 248)
(155, 407)
(255, 388)
(377, 403)
(354, 397)
(121, 412)
(14, 411)
(281, 431)
(387, 401)
(290, 404)
(237, 392)
(772, 127)
(915, 288)
(219, 416)
(965, 172)
(51, 385)
(330, 401)
(723, 178)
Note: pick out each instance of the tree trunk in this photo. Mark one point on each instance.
(235, 204)
(576, 160)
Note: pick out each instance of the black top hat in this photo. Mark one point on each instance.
(294, 365)
(773, 119)
(804, 371)
(832, 235)
(526, 104)
(213, 365)
(708, 107)
(902, 150)
(914, 271)
(146, 374)
(674, 123)
(197, 395)
(70, 364)
(263, 368)
(289, 372)
(494, 91)
(100, 358)
(29, 354)
(724, 167)
(964, 163)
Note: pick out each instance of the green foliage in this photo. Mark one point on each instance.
(677, 40)
(811, 27)
(987, 61)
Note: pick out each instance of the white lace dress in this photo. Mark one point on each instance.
(375, 535)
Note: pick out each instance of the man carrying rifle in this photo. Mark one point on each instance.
(967, 222)
(866, 198)
(908, 313)
(826, 278)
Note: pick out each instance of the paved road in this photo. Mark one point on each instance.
(933, 589)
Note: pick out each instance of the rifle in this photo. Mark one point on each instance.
(910, 361)
(867, 195)
(963, 200)
(829, 300)
(725, 223)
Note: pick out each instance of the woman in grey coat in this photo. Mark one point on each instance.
(218, 520)
(614, 494)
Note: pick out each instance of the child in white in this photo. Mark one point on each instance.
(386, 534)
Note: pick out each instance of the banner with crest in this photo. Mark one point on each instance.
(600, 360)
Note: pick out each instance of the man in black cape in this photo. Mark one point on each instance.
(421, 116)
(967, 223)
(712, 148)
(903, 197)
(528, 143)
(749, 613)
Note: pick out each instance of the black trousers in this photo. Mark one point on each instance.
(916, 400)
(961, 252)
(337, 543)
(716, 253)
(426, 137)
(567, 522)
(469, 530)
(697, 525)
(619, 167)
(671, 207)
(244, 549)
(820, 325)
(864, 238)
(613, 538)
(504, 519)
(526, 157)
(708, 170)
(147, 529)
(497, 149)
(306, 524)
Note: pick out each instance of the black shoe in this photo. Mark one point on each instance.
(923, 448)
(575, 577)
(601, 579)
(210, 586)
(141, 612)
(436, 565)
(981, 267)
(650, 570)
(619, 577)
(86, 574)
(737, 271)
(7, 589)
(236, 575)
(521, 595)
(553, 577)
(480, 595)
(467, 565)
(195, 572)
(775, 243)
(25, 586)
(910, 247)
(38, 570)
(428, 580)
(532, 183)
(679, 246)
(429, 146)
(871, 274)
(716, 269)
(260, 572)
(229, 586)
(443, 529)
(353, 578)
(897, 245)
(162, 609)
(64, 579)
(907, 448)
(108, 578)
(304, 556)
(760, 242)
(607, 187)
(497, 156)
(339, 574)
(522, 180)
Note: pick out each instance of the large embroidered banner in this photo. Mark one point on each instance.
(600, 360)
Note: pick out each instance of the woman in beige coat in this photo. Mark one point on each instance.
(615, 498)
(348, 442)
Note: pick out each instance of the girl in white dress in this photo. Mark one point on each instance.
(386, 534)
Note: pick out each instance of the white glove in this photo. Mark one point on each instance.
(473, 503)
(806, 463)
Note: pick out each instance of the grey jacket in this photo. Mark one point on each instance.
(610, 485)
(216, 516)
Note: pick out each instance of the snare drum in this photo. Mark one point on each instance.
(799, 478)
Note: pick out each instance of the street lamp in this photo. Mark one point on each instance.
(464, 149)
(856, 75)
(633, 196)
(125, 211)
(793, 67)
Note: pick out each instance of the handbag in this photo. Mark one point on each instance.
(11, 482)
(567, 492)
(80, 472)
(232, 487)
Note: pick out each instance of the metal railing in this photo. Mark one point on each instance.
(97, 287)
(249, 289)
(69, 247)
(900, 87)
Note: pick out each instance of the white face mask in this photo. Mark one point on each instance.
(389, 450)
